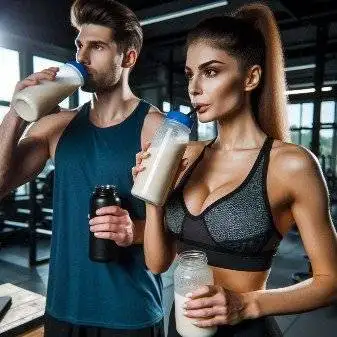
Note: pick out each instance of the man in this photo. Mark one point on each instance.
(90, 146)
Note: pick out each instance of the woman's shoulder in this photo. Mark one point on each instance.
(292, 159)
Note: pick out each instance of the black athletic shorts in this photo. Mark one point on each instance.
(55, 328)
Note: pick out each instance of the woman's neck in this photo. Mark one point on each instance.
(239, 132)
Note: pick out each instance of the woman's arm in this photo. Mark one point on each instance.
(304, 181)
(159, 247)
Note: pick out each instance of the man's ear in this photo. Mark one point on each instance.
(253, 77)
(129, 58)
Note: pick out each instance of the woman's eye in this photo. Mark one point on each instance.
(188, 76)
(210, 72)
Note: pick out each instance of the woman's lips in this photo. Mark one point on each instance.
(202, 108)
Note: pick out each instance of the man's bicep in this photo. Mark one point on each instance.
(29, 160)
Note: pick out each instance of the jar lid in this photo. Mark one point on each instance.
(80, 67)
(180, 118)
(105, 187)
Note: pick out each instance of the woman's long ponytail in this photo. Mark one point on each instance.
(272, 100)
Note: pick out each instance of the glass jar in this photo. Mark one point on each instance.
(191, 273)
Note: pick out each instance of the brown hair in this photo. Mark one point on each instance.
(112, 14)
(251, 35)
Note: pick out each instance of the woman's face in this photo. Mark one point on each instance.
(216, 84)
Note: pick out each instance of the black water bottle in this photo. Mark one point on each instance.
(102, 250)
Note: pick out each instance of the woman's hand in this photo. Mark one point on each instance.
(140, 156)
(214, 305)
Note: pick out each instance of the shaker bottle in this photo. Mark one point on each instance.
(35, 101)
(103, 250)
(166, 152)
(191, 273)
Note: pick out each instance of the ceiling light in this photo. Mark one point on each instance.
(306, 91)
(304, 66)
(326, 88)
(183, 12)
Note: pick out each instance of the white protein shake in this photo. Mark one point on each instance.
(154, 183)
(35, 101)
(184, 325)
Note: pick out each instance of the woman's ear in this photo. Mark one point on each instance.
(253, 77)
(129, 58)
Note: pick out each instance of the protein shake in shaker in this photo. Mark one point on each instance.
(166, 151)
(35, 101)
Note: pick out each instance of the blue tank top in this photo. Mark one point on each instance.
(118, 296)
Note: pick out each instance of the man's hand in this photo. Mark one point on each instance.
(113, 223)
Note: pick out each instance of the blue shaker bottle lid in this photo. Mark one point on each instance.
(80, 67)
(181, 118)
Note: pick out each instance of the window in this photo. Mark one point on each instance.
(294, 115)
(307, 115)
(295, 137)
(166, 106)
(9, 73)
(3, 111)
(83, 97)
(328, 112)
(184, 109)
(328, 130)
(40, 63)
(207, 130)
(300, 120)
(326, 137)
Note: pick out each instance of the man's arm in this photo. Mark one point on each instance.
(21, 160)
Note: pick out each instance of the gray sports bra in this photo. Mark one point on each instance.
(236, 231)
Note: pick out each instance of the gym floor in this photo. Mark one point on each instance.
(289, 259)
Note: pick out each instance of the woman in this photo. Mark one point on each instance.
(240, 194)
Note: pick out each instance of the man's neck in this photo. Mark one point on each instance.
(113, 107)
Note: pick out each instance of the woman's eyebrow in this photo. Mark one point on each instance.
(204, 65)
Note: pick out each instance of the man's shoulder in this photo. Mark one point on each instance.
(154, 113)
(53, 122)
(154, 117)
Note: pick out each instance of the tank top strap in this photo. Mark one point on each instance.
(84, 109)
(141, 111)
(82, 115)
(266, 157)
(143, 107)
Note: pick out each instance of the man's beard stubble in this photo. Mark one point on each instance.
(97, 86)
(101, 85)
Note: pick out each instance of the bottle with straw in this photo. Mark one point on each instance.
(165, 154)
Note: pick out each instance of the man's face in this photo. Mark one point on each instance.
(98, 52)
